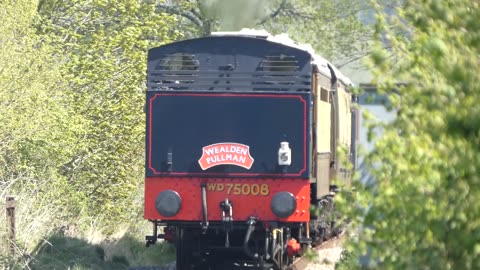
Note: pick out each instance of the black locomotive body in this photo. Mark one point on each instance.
(241, 144)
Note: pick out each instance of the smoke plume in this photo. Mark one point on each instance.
(233, 15)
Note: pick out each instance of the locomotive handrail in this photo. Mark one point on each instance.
(234, 72)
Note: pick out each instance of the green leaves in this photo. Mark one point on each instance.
(32, 114)
(106, 44)
(422, 213)
(72, 95)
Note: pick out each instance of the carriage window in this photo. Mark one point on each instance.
(324, 95)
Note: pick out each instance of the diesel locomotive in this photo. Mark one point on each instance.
(242, 132)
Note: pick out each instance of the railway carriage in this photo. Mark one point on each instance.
(242, 133)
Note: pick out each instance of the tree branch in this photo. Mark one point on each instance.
(196, 13)
(176, 10)
(274, 14)
(348, 61)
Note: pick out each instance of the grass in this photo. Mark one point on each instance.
(61, 252)
(137, 254)
(64, 252)
(46, 240)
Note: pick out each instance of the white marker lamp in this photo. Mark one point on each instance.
(284, 154)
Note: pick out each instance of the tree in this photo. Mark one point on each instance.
(37, 127)
(333, 28)
(103, 45)
(423, 211)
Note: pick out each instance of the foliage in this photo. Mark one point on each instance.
(72, 95)
(348, 261)
(422, 211)
(36, 125)
(333, 28)
(37, 129)
(104, 46)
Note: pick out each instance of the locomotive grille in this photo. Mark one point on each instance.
(174, 72)
(277, 63)
(187, 72)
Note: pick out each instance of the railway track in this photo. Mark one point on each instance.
(301, 263)
(323, 258)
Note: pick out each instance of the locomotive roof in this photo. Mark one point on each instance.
(319, 62)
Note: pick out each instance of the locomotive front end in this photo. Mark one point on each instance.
(230, 144)
(227, 144)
